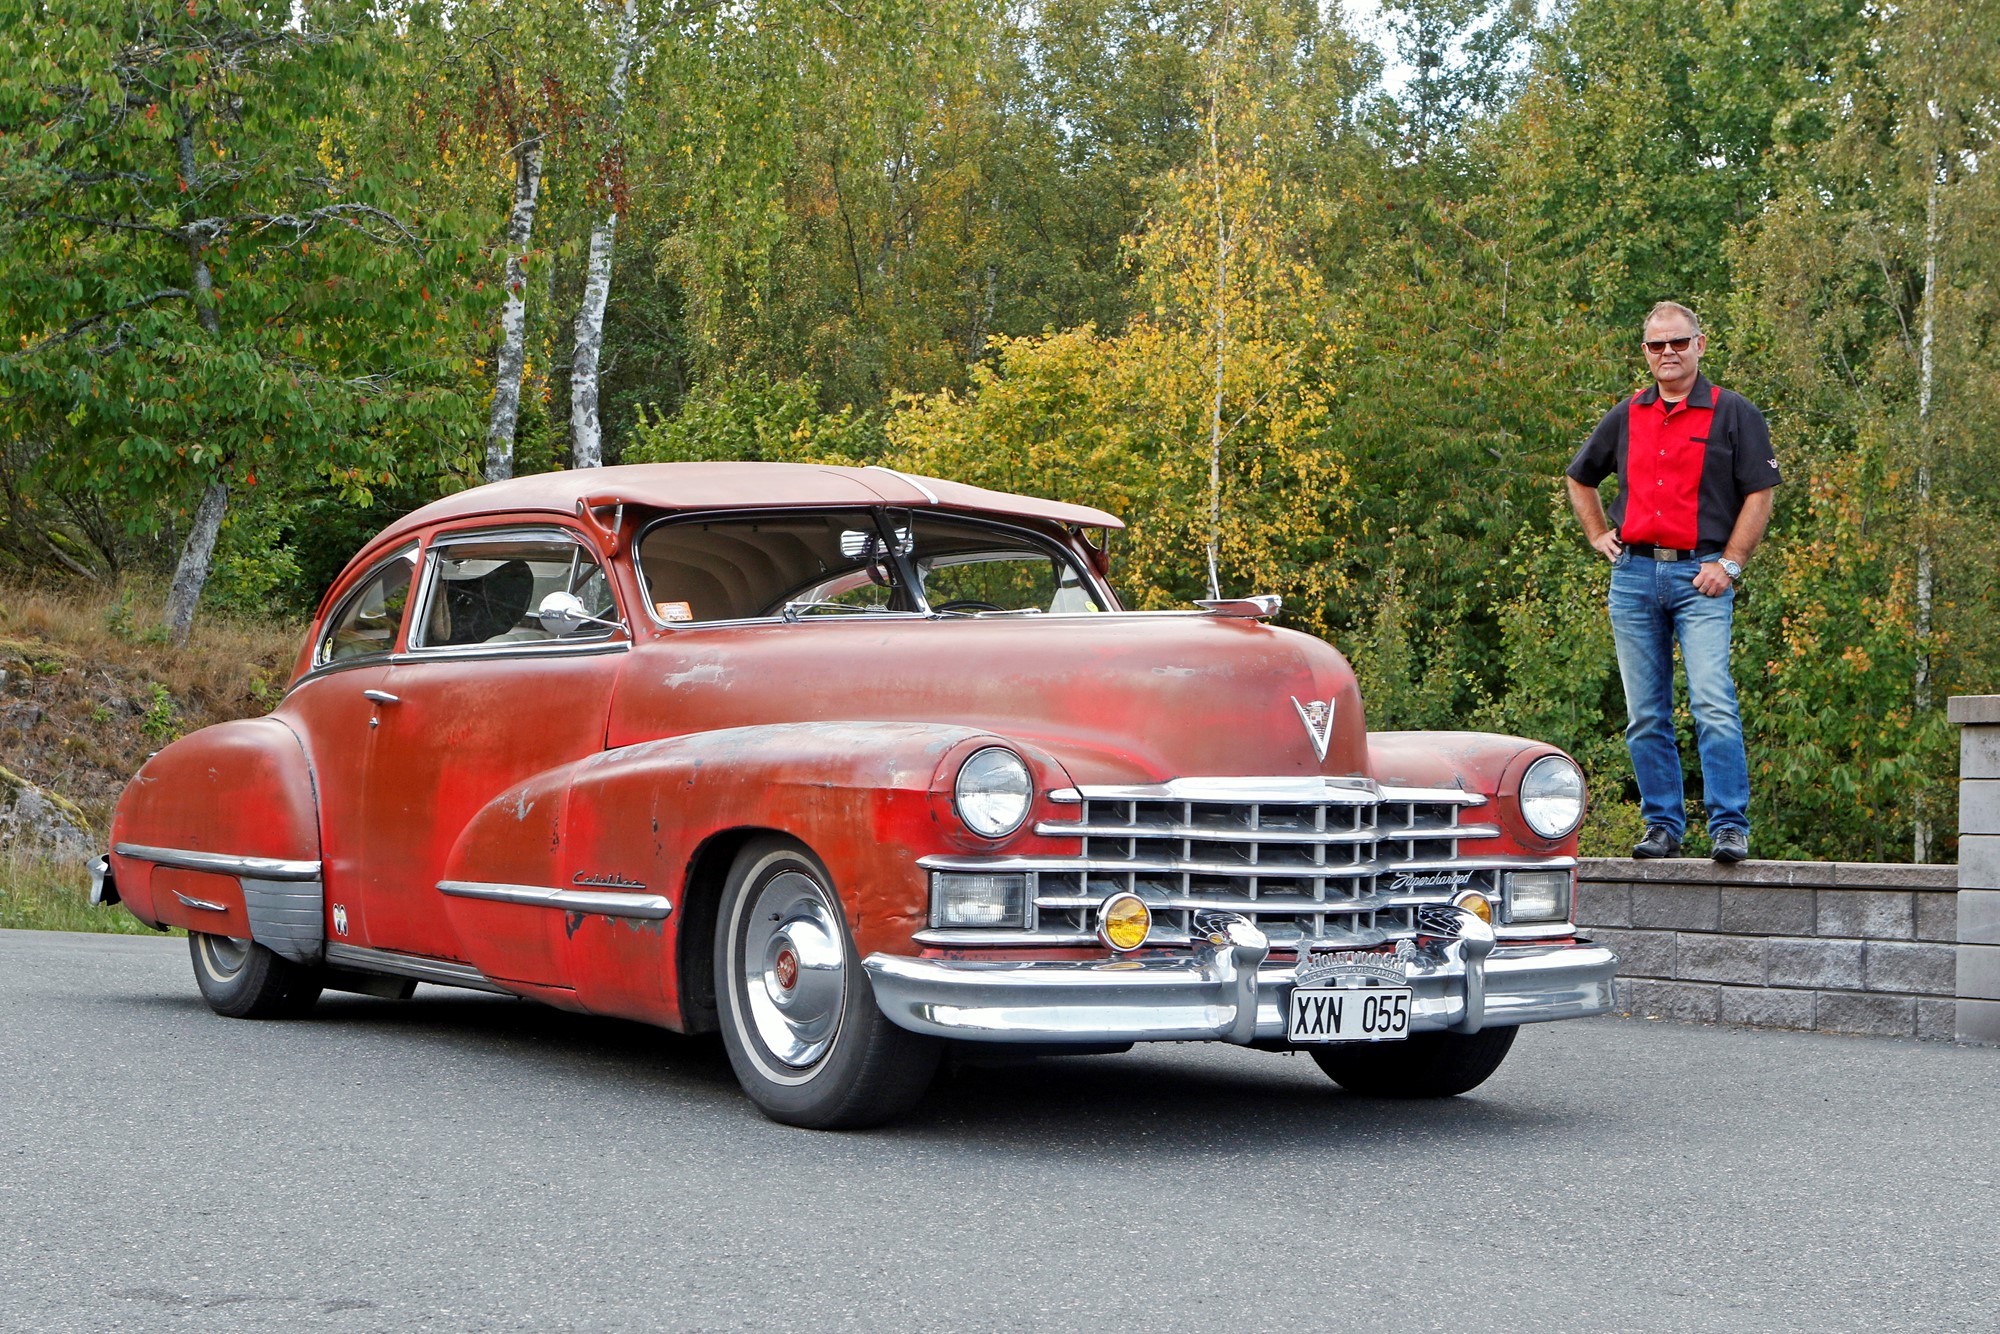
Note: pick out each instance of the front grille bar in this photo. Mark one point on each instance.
(1331, 861)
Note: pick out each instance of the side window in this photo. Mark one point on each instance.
(486, 588)
(372, 616)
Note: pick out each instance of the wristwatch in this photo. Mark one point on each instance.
(1730, 568)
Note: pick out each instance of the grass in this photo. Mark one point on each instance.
(48, 894)
(92, 687)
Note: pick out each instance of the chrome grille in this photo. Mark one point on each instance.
(1312, 859)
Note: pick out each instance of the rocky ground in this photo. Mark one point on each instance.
(88, 690)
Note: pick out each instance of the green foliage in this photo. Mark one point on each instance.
(162, 717)
(755, 418)
(1015, 244)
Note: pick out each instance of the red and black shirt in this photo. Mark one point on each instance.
(1683, 468)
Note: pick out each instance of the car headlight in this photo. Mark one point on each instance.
(1538, 896)
(1552, 796)
(993, 792)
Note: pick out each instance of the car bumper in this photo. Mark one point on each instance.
(1228, 991)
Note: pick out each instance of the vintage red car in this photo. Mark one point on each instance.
(847, 764)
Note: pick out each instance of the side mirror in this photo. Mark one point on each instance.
(562, 614)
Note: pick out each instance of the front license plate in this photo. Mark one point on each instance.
(1349, 1014)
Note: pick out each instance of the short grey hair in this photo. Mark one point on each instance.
(1670, 308)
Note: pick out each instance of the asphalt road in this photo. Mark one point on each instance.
(461, 1162)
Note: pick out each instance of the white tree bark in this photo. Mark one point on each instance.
(586, 430)
(1926, 378)
(514, 314)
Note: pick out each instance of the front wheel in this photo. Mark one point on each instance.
(799, 1018)
(1423, 1065)
(240, 979)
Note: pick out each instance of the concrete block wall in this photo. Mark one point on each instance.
(1840, 947)
(1978, 717)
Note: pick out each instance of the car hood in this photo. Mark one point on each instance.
(1118, 698)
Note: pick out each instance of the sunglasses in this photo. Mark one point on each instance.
(1662, 344)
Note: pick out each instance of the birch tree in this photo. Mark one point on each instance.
(200, 287)
(587, 435)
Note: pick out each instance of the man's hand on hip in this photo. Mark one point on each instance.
(1711, 579)
(1608, 545)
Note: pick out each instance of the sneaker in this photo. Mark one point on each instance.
(1660, 841)
(1731, 845)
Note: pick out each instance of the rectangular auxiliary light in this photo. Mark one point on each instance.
(1538, 896)
(960, 899)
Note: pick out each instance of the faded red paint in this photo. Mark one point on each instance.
(624, 767)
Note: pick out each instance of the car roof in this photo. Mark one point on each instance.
(709, 486)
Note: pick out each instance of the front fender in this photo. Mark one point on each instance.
(219, 832)
(1482, 762)
(865, 797)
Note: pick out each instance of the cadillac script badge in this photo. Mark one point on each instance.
(1317, 715)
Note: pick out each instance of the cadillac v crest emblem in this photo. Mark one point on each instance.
(1317, 715)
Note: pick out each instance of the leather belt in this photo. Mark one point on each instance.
(1651, 552)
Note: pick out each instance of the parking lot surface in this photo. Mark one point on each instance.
(464, 1162)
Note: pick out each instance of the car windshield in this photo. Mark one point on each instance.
(853, 563)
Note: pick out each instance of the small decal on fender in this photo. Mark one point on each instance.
(340, 919)
(606, 881)
(1317, 715)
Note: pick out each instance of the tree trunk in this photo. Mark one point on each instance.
(198, 551)
(1926, 376)
(514, 314)
(197, 554)
(1221, 319)
(586, 430)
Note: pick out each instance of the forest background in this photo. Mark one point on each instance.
(1320, 315)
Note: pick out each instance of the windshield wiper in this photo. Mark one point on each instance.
(792, 609)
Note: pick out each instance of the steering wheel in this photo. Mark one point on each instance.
(966, 604)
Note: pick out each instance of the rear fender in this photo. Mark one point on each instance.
(219, 833)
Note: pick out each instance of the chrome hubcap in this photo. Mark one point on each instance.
(796, 968)
(225, 956)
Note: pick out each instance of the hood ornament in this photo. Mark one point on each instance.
(1317, 715)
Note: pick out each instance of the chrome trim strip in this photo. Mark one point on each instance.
(1280, 907)
(202, 904)
(928, 494)
(523, 648)
(597, 902)
(1290, 791)
(1237, 871)
(1307, 837)
(186, 859)
(441, 972)
(983, 938)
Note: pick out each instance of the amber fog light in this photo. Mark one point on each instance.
(1477, 904)
(1538, 896)
(1124, 921)
(979, 900)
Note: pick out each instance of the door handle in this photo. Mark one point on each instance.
(380, 697)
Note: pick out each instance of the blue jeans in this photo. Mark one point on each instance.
(1653, 603)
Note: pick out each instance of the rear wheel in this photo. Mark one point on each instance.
(242, 980)
(798, 1016)
(1424, 1065)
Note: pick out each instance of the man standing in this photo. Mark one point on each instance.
(1695, 472)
